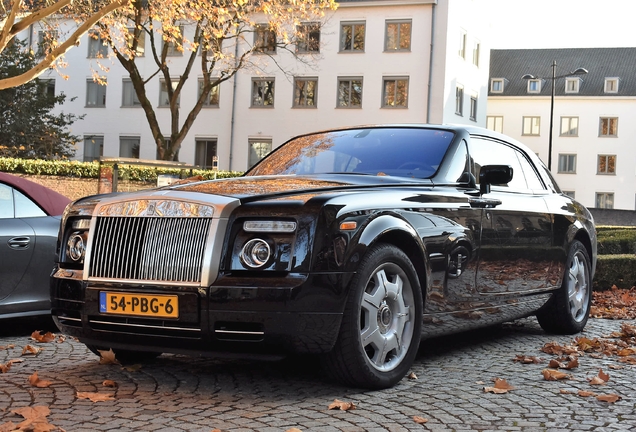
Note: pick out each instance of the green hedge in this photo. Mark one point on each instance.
(619, 270)
(77, 169)
(616, 240)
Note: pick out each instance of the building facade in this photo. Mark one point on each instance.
(413, 61)
(593, 157)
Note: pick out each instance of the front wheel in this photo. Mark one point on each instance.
(382, 322)
(568, 310)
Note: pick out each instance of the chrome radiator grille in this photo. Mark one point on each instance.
(149, 248)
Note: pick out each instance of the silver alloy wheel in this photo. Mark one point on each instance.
(386, 321)
(578, 287)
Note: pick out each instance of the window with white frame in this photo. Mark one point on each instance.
(606, 165)
(45, 42)
(140, 50)
(47, 86)
(352, 35)
(476, 52)
(608, 127)
(93, 147)
(459, 100)
(96, 45)
(264, 39)
(305, 92)
(263, 92)
(205, 153)
(531, 126)
(397, 35)
(174, 47)
(95, 94)
(605, 200)
(567, 163)
(258, 149)
(611, 85)
(495, 123)
(473, 108)
(164, 95)
(129, 95)
(395, 92)
(534, 86)
(462, 44)
(569, 126)
(572, 85)
(212, 101)
(497, 85)
(129, 147)
(349, 92)
(308, 38)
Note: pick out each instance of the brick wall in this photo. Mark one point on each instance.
(75, 188)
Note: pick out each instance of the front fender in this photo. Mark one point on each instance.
(392, 229)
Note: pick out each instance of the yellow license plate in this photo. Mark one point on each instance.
(161, 306)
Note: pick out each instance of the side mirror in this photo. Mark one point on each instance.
(493, 174)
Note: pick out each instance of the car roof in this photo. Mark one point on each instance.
(51, 202)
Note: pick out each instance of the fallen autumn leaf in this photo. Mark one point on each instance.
(35, 381)
(95, 397)
(554, 375)
(343, 406)
(419, 420)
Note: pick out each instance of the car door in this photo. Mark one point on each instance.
(17, 240)
(516, 240)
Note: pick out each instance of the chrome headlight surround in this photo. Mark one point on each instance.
(75, 241)
(256, 253)
(263, 244)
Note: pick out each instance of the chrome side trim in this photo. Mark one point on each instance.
(260, 333)
(198, 330)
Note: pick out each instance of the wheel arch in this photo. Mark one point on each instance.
(578, 232)
(393, 230)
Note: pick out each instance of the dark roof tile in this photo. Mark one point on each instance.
(601, 63)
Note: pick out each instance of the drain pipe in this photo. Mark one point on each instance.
(430, 65)
(236, 74)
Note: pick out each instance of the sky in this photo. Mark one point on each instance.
(520, 24)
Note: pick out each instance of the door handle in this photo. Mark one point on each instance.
(19, 242)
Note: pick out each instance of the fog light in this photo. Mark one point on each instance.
(76, 247)
(255, 253)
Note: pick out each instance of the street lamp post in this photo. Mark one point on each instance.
(577, 71)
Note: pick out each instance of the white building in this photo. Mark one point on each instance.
(443, 65)
(593, 152)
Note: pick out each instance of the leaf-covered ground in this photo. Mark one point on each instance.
(614, 303)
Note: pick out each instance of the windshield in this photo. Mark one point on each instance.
(406, 152)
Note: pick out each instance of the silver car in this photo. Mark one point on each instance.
(29, 223)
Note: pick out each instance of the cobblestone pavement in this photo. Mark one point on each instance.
(177, 393)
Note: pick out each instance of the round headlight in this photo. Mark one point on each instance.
(255, 253)
(76, 247)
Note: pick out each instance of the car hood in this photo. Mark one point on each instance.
(271, 186)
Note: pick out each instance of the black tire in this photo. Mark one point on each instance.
(568, 310)
(125, 356)
(382, 322)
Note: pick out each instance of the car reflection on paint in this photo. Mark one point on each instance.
(352, 244)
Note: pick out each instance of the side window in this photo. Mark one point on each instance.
(24, 207)
(486, 152)
(533, 180)
(457, 167)
(6, 202)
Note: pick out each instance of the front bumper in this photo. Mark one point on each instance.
(245, 315)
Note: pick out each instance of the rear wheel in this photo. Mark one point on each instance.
(126, 356)
(381, 327)
(568, 310)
